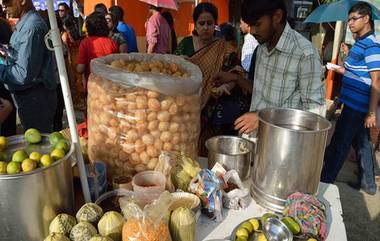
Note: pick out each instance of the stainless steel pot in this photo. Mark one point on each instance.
(289, 158)
(30, 201)
(232, 153)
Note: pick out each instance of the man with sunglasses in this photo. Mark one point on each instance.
(287, 71)
(28, 70)
(360, 95)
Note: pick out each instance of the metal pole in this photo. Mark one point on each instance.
(57, 44)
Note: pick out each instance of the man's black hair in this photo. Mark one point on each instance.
(96, 25)
(100, 8)
(252, 10)
(228, 31)
(118, 12)
(363, 9)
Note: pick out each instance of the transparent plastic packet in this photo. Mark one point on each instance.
(133, 117)
(149, 223)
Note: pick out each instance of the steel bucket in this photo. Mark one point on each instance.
(30, 201)
(232, 153)
(289, 158)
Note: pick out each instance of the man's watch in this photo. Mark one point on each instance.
(371, 113)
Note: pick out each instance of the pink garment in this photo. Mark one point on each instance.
(158, 32)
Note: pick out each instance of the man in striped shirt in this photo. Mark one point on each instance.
(360, 95)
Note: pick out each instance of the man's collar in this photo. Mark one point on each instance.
(21, 22)
(366, 35)
(281, 45)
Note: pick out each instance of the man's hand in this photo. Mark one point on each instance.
(370, 120)
(247, 123)
(225, 77)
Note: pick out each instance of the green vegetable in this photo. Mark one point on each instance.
(111, 225)
(62, 223)
(56, 237)
(184, 171)
(182, 225)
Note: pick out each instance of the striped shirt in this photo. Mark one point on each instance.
(363, 58)
(289, 76)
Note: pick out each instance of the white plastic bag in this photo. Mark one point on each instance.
(237, 198)
(133, 117)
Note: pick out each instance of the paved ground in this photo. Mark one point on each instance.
(361, 212)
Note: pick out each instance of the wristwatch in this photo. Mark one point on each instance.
(371, 113)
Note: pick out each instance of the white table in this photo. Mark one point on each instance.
(208, 229)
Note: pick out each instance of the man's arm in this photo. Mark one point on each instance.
(370, 120)
(373, 63)
(311, 86)
(23, 68)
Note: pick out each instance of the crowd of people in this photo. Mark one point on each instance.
(275, 67)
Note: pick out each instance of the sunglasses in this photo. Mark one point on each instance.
(354, 19)
(61, 10)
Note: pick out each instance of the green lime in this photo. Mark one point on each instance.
(32, 136)
(13, 167)
(242, 233)
(35, 156)
(57, 154)
(261, 237)
(19, 156)
(46, 160)
(3, 143)
(248, 226)
(62, 144)
(264, 218)
(292, 225)
(240, 239)
(3, 167)
(255, 223)
(28, 165)
(55, 137)
(3, 156)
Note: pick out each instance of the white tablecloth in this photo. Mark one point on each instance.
(208, 230)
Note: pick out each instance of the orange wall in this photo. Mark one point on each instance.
(90, 4)
(136, 13)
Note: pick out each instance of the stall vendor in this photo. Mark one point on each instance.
(28, 69)
(288, 71)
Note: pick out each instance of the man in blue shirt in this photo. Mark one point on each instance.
(360, 95)
(125, 29)
(28, 71)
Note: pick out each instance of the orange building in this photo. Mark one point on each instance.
(136, 14)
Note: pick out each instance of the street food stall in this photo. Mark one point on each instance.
(145, 181)
(143, 124)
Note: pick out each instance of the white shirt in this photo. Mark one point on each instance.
(249, 46)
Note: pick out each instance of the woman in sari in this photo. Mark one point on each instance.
(221, 105)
